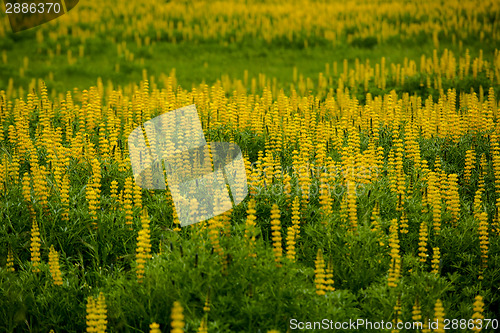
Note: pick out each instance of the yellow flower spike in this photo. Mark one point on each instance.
(416, 313)
(304, 182)
(376, 227)
(96, 314)
(290, 243)
(329, 277)
(400, 179)
(436, 256)
(143, 251)
(395, 269)
(203, 326)
(92, 314)
(55, 270)
(478, 312)
(276, 234)
(453, 199)
(137, 196)
(484, 242)
(64, 194)
(214, 230)
(404, 223)
(352, 206)
(434, 198)
(319, 279)
(10, 261)
(250, 228)
(470, 160)
(154, 328)
(423, 237)
(40, 185)
(35, 246)
(177, 318)
(92, 200)
(293, 231)
(397, 314)
(103, 142)
(127, 202)
(206, 307)
(325, 198)
(439, 316)
(114, 189)
(26, 188)
(101, 313)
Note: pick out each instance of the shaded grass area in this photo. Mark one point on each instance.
(196, 63)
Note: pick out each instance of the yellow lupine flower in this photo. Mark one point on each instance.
(329, 277)
(439, 316)
(484, 242)
(143, 251)
(127, 202)
(35, 246)
(40, 185)
(375, 225)
(91, 315)
(55, 270)
(470, 160)
(397, 315)
(250, 228)
(319, 279)
(101, 313)
(276, 234)
(478, 313)
(137, 196)
(436, 256)
(453, 199)
(423, 237)
(395, 269)
(203, 326)
(96, 314)
(26, 188)
(416, 314)
(214, 235)
(206, 307)
(65, 196)
(434, 199)
(404, 223)
(154, 328)
(177, 318)
(324, 198)
(92, 200)
(10, 261)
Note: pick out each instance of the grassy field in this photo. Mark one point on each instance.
(370, 134)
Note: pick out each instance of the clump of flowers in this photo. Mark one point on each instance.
(96, 314)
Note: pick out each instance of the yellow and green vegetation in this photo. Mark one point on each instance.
(371, 137)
